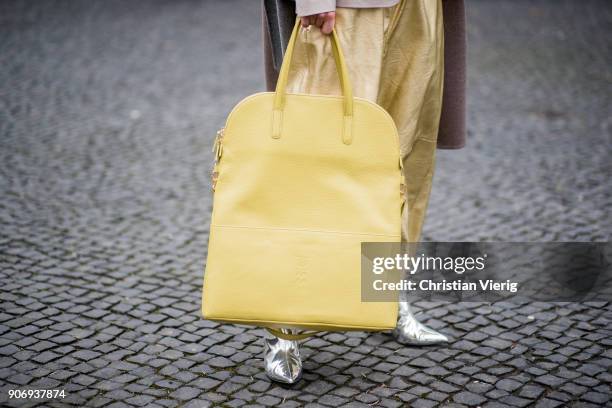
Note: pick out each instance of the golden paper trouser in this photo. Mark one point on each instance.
(395, 58)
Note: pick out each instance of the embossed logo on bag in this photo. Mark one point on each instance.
(301, 269)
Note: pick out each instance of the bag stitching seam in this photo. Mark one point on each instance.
(309, 325)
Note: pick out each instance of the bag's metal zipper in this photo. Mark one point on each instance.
(403, 190)
(218, 152)
(218, 145)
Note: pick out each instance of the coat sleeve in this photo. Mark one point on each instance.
(309, 7)
(452, 132)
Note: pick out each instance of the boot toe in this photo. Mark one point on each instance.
(282, 361)
(416, 334)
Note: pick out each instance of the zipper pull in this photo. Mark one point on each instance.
(218, 145)
(218, 151)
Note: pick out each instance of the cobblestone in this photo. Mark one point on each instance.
(107, 117)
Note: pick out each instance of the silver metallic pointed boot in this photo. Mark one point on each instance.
(282, 360)
(410, 331)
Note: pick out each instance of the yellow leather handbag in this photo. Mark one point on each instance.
(300, 181)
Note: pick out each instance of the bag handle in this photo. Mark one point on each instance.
(347, 90)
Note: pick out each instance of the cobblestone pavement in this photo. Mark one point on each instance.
(107, 114)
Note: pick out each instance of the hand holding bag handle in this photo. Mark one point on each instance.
(347, 90)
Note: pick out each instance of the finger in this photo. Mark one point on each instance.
(312, 19)
(305, 22)
(328, 25)
(319, 20)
